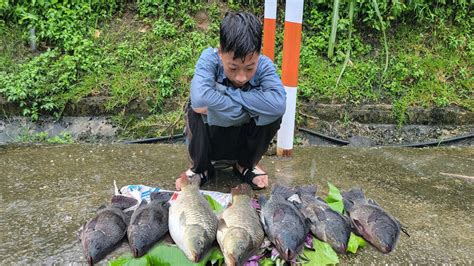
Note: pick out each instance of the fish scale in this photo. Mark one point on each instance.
(192, 223)
(372, 222)
(326, 224)
(240, 233)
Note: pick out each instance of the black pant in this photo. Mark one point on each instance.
(246, 143)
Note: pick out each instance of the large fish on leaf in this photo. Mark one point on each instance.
(192, 223)
(239, 232)
(284, 225)
(107, 229)
(326, 224)
(149, 223)
(372, 222)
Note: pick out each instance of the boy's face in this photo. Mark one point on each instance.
(237, 71)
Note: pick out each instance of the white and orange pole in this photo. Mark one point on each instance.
(289, 76)
(269, 28)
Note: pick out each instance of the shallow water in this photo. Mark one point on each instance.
(48, 192)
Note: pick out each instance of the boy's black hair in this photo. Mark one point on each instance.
(240, 33)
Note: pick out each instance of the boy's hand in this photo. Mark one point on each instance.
(200, 110)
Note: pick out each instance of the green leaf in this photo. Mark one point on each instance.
(215, 206)
(166, 254)
(334, 198)
(323, 254)
(355, 242)
(266, 262)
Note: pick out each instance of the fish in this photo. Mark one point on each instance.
(102, 234)
(239, 231)
(283, 223)
(326, 224)
(192, 223)
(370, 221)
(149, 223)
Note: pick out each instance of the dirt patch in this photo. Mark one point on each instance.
(358, 134)
(202, 20)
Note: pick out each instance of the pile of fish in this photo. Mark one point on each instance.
(285, 218)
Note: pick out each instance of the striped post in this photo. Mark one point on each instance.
(289, 76)
(269, 28)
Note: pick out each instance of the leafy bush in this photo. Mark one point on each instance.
(146, 49)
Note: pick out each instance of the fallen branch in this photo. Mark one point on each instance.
(459, 176)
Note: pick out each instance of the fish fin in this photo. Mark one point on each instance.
(221, 224)
(283, 191)
(404, 229)
(373, 217)
(161, 196)
(278, 215)
(263, 221)
(297, 202)
(373, 202)
(347, 220)
(101, 207)
(242, 189)
(91, 224)
(182, 219)
(307, 190)
(262, 200)
(320, 214)
(123, 202)
(358, 226)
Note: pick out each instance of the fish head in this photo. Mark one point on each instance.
(385, 240)
(286, 244)
(197, 242)
(338, 246)
(138, 242)
(237, 246)
(95, 246)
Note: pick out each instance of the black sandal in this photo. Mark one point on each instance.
(211, 172)
(247, 176)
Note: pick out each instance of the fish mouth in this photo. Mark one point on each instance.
(90, 261)
(194, 257)
(342, 248)
(230, 260)
(136, 252)
(386, 249)
(288, 254)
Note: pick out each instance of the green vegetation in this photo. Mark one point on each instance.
(44, 137)
(146, 50)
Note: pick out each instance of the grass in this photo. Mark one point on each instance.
(151, 58)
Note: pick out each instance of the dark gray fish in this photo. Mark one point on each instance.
(106, 230)
(326, 224)
(284, 225)
(149, 223)
(370, 221)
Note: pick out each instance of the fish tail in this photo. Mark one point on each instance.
(123, 202)
(283, 191)
(350, 197)
(355, 194)
(161, 196)
(306, 190)
(242, 189)
(189, 178)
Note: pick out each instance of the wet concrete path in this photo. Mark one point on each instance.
(47, 192)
